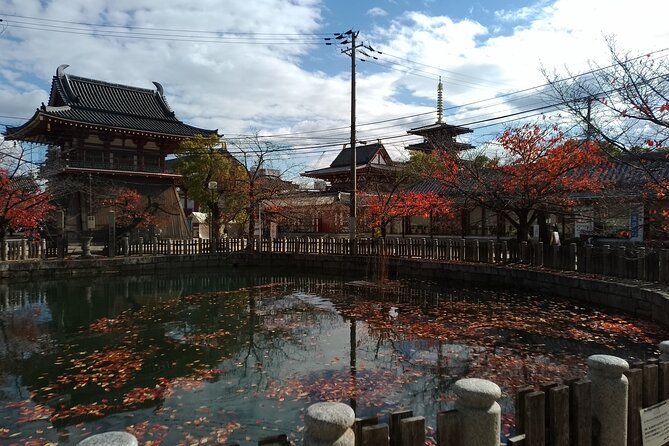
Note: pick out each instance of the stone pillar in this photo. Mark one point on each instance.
(572, 257)
(479, 414)
(641, 263)
(329, 424)
(664, 351)
(86, 247)
(609, 399)
(24, 248)
(110, 439)
(141, 246)
(606, 260)
(126, 245)
(539, 255)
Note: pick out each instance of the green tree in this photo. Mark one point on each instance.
(203, 160)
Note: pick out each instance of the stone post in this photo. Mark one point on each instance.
(141, 246)
(86, 247)
(572, 257)
(641, 263)
(664, 266)
(462, 249)
(116, 438)
(609, 399)
(664, 351)
(329, 424)
(126, 245)
(606, 260)
(539, 255)
(479, 413)
(523, 252)
(154, 242)
(620, 257)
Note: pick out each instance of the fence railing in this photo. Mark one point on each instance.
(624, 262)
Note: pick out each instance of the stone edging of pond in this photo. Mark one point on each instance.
(646, 300)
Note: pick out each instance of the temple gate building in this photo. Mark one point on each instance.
(102, 137)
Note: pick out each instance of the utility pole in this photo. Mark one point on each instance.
(343, 39)
(353, 217)
(590, 130)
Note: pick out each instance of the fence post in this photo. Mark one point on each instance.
(141, 246)
(523, 252)
(480, 415)
(588, 260)
(663, 260)
(329, 424)
(606, 260)
(580, 413)
(491, 252)
(126, 245)
(116, 438)
(641, 263)
(572, 257)
(609, 399)
(462, 249)
(539, 255)
(621, 261)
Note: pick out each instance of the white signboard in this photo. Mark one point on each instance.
(636, 223)
(91, 222)
(655, 424)
(585, 221)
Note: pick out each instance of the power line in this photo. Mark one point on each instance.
(190, 30)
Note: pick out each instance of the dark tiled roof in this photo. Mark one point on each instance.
(439, 128)
(95, 102)
(364, 155)
(632, 170)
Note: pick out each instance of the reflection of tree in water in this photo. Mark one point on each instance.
(265, 346)
(513, 342)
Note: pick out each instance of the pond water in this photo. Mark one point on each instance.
(205, 358)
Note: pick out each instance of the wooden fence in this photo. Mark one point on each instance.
(624, 262)
(557, 414)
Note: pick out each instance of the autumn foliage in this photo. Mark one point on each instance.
(539, 173)
(132, 212)
(23, 206)
(380, 209)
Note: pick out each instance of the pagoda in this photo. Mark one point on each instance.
(102, 136)
(439, 136)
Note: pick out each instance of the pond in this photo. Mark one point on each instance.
(205, 358)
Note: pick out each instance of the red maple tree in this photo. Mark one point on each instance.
(23, 205)
(132, 211)
(541, 171)
(380, 209)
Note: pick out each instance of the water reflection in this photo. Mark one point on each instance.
(240, 356)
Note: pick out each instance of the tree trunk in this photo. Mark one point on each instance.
(544, 234)
(523, 226)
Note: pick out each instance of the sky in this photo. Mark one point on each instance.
(262, 66)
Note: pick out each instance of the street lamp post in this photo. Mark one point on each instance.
(213, 240)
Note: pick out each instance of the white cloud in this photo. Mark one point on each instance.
(377, 12)
(270, 85)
